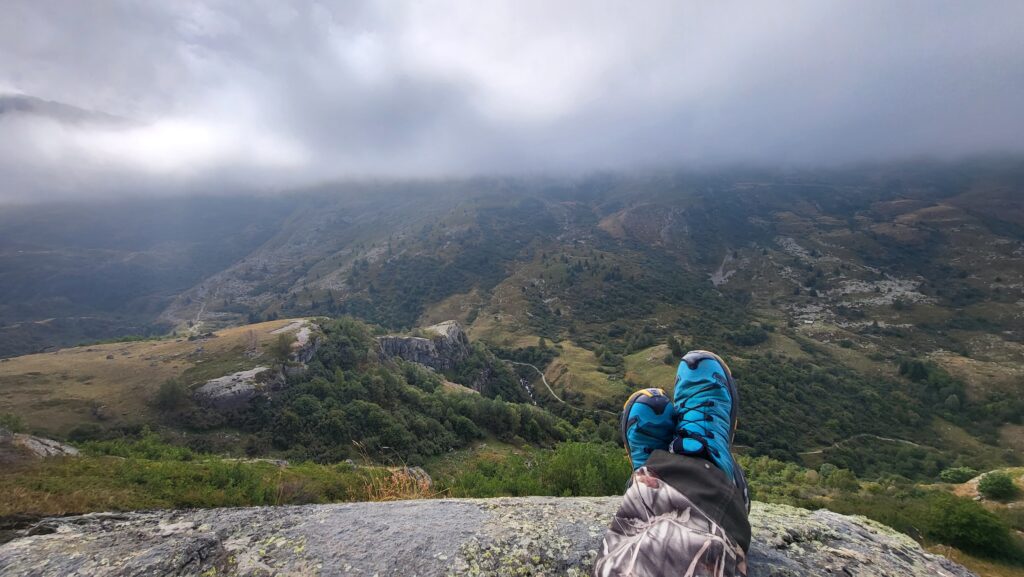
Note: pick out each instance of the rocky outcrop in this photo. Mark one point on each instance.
(237, 389)
(18, 447)
(307, 339)
(522, 536)
(443, 347)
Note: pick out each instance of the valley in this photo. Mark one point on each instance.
(878, 332)
(511, 288)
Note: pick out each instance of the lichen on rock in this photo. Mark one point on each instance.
(508, 536)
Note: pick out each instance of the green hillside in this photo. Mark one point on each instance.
(872, 317)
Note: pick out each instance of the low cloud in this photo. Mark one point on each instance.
(207, 96)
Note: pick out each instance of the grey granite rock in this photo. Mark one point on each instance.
(237, 389)
(446, 346)
(42, 447)
(307, 340)
(521, 536)
(19, 447)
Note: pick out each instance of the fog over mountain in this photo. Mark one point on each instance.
(158, 97)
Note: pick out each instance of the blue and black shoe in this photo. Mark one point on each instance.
(706, 400)
(648, 423)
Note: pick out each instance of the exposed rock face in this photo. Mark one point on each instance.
(523, 536)
(16, 447)
(307, 339)
(237, 389)
(446, 347)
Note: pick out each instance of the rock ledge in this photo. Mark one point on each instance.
(520, 536)
(443, 349)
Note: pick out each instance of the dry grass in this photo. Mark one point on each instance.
(1012, 436)
(969, 489)
(503, 320)
(981, 377)
(450, 464)
(55, 392)
(456, 307)
(959, 441)
(782, 344)
(502, 330)
(399, 484)
(25, 500)
(612, 224)
(647, 368)
(457, 388)
(994, 348)
(79, 485)
(576, 369)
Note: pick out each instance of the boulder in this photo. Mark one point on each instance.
(509, 536)
(42, 447)
(237, 389)
(18, 447)
(443, 347)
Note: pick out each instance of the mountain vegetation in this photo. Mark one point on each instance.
(872, 317)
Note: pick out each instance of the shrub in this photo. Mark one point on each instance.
(397, 484)
(12, 423)
(148, 446)
(86, 432)
(675, 347)
(747, 336)
(952, 403)
(958, 474)
(914, 370)
(842, 479)
(997, 485)
(571, 469)
(171, 396)
(282, 347)
(935, 517)
(574, 469)
(969, 526)
(103, 483)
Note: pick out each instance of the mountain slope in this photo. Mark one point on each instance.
(886, 299)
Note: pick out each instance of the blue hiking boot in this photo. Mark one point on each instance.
(648, 423)
(706, 402)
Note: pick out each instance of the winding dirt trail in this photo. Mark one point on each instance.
(860, 436)
(552, 391)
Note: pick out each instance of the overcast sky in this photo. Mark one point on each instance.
(268, 94)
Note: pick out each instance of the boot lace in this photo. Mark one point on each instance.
(700, 420)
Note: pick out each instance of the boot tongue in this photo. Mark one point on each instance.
(690, 447)
(693, 446)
